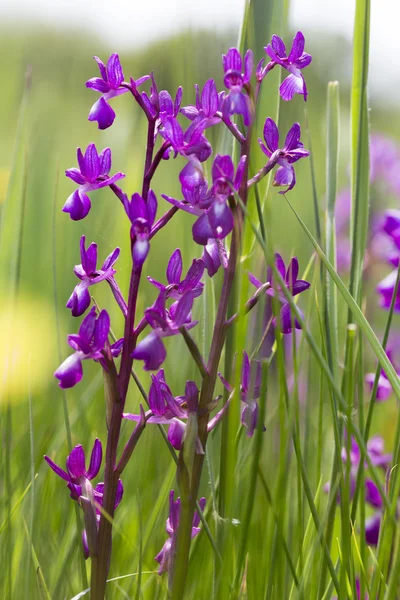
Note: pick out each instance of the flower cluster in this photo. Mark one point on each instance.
(216, 206)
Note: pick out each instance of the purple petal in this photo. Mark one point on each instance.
(271, 134)
(178, 100)
(119, 494)
(202, 230)
(384, 389)
(299, 287)
(211, 258)
(101, 331)
(102, 112)
(240, 172)
(256, 282)
(69, 372)
(114, 71)
(194, 275)
(372, 527)
(192, 396)
(280, 265)
(297, 47)
(86, 330)
(183, 308)
(285, 176)
(237, 103)
(303, 61)
(245, 379)
(140, 250)
(75, 175)
(209, 98)
(248, 66)
(278, 46)
(293, 84)
(166, 104)
(77, 205)
(79, 301)
(57, 470)
(176, 432)
(76, 462)
(102, 67)
(92, 163)
(110, 260)
(249, 417)
(232, 60)
(223, 168)
(95, 460)
(152, 351)
(173, 132)
(88, 257)
(372, 495)
(105, 161)
(292, 272)
(174, 268)
(293, 137)
(95, 83)
(151, 207)
(192, 176)
(221, 219)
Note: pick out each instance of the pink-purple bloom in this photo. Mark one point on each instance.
(295, 286)
(177, 286)
(109, 84)
(89, 275)
(292, 151)
(164, 322)
(238, 74)
(76, 475)
(208, 104)
(164, 557)
(294, 62)
(88, 345)
(384, 388)
(192, 142)
(93, 174)
(165, 409)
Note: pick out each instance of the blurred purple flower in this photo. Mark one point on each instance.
(176, 285)
(87, 272)
(92, 175)
(141, 214)
(88, 344)
(164, 557)
(237, 102)
(384, 387)
(164, 322)
(109, 85)
(76, 474)
(294, 62)
(293, 284)
(292, 151)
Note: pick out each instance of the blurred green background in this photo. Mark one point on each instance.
(39, 246)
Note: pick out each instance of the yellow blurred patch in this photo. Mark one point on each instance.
(4, 179)
(27, 349)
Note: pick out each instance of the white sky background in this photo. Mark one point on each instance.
(133, 22)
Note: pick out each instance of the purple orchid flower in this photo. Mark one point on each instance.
(92, 175)
(164, 557)
(88, 344)
(141, 214)
(215, 216)
(236, 102)
(176, 285)
(294, 63)
(76, 474)
(292, 151)
(208, 103)
(384, 389)
(164, 322)
(192, 142)
(87, 272)
(165, 409)
(109, 85)
(294, 285)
